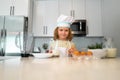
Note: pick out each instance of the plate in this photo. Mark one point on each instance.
(42, 55)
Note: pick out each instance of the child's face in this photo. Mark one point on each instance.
(63, 33)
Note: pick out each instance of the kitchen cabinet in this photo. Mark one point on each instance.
(45, 17)
(21, 7)
(46, 12)
(93, 17)
(75, 8)
(5, 7)
(14, 7)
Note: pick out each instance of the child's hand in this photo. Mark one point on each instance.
(50, 51)
(71, 50)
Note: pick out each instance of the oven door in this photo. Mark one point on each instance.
(78, 29)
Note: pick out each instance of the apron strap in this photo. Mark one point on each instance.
(56, 44)
(69, 44)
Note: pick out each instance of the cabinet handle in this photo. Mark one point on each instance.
(46, 29)
(87, 30)
(43, 29)
(10, 10)
(13, 10)
(73, 13)
(5, 33)
(1, 35)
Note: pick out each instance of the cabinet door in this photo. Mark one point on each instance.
(51, 15)
(79, 9)
(5, 7)
(38, 18)
(21, 7)
(65, 7)
(93, 16)
(45, 17)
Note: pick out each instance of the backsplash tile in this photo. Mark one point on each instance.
(80, 42)
(83, 42)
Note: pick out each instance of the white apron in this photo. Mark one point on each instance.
(63, 52)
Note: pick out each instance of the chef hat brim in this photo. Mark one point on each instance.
(63, 24)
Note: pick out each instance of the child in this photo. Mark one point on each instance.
(62, 44)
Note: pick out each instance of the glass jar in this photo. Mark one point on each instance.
(109, 46)
(108, 43)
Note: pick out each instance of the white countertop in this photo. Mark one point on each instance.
(59, 69)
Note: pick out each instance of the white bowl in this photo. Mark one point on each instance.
(98, 53)
(56, 53)
(42, 55)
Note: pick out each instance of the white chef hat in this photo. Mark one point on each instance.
(64, 21)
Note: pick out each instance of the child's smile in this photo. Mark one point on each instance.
(63, 33)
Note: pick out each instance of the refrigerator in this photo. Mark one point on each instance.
(13, 32)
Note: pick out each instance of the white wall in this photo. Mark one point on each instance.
(111, 20)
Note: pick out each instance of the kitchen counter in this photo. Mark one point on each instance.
(59, 69)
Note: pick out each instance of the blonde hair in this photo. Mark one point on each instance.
(56, 36)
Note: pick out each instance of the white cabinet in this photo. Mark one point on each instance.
(5, 6)
(93, 17)
(79, 9)
(21, 7)
(65, 7)
(75, 8)
(14, 7)
(45, 17)
(46, 12)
